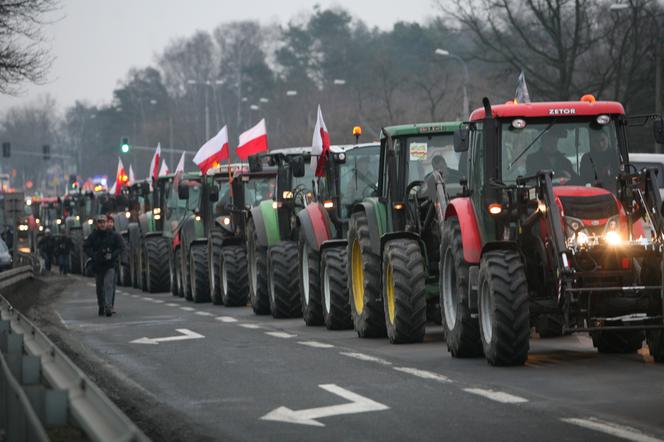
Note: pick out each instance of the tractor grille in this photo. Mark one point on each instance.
(589, 207)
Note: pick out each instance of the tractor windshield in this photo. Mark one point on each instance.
(579, 152)
(359, 174)
(426, 153)
(223, 198)
(258, 189)
(194, 200)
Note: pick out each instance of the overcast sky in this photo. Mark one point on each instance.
(96, 41)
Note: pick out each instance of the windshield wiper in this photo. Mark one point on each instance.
(518, 157)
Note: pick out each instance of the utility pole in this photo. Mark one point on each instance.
(658, 77)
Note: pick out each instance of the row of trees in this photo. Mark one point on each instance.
(244, 71)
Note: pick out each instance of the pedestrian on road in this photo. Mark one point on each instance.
(63, 248)
(104, 246)
(46, 247)
(110, 225)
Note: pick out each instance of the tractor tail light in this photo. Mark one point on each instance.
(625, 263)
(495, 208)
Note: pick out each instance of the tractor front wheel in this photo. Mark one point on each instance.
(233, 276)
(198, 269)
(257, 262)
(214, 264)
(156, 265)
(283, 280)
(503, 305)
(404, 298)
(310, 282)
(655, 339)
(334, 280)
(177, 273)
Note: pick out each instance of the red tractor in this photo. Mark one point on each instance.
(554, 226)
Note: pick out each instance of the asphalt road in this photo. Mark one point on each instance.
(236, 376)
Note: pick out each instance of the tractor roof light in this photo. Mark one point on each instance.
(588, 98)
(518, 123)
(357, 131)
(495, 209)
(603, 120)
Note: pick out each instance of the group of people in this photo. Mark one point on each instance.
(56, 248)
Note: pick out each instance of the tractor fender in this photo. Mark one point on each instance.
(462, 209)
(267, 225)
(198, 241)
(403, 235)
(331, 243)
(150, 234)
(501, 245)
(232, 241)
(376, 225)
(315, 224)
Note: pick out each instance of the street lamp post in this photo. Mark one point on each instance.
(207, 106)
(466, 77)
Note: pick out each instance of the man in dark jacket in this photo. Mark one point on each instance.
(46, 247)
(63, 248)
(104, 245)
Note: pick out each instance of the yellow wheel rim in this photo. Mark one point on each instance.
(389, 286)
(357, 277)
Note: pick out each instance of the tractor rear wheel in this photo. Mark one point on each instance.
(503, 305)
(655, 339)
(214, 264)
(334, 281)
(177, 273)
(617, 341)
(257, 262)
(363, 267)
(404, 297)
(462, 332)
(156, 266)
(76, 251)
(309, 267)
(233, 276)
(198, 269)
(283, 280)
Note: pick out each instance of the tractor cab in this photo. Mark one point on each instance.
(553, 205)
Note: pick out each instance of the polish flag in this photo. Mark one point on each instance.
(164, 169)
(132, 179)
(121, 179)
(154, 163)
(320, 145)
(252, 141)
(213, 152)
(180, 166)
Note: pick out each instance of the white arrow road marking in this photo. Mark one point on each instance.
(185, 335)
(358, 404)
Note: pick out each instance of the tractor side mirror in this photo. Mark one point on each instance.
(461, 140)
(297, 166)
(214, 194)
(183, 191)
(658, 130)
(255, 163)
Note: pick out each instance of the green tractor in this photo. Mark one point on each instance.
(554, 221)
(393, 237)
(127, 209)
(272, 234)
(351, 174)
(75, 212)
(227, 256)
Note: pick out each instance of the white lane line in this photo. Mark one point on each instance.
(315, 344)
(498, 396)
(612, 429)
(171, 304)
(226, 319)
(134, 296)
(158, 301)
(187, 309)
(62, 320)
(92, 284)
(204, 314)
(424, 374)
(251, 326)
(363, 357)
(282, 335)
(145, 298)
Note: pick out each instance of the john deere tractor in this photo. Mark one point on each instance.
(393, 235)
(350, 175)
(273, 232)
(555, 221)
(227, 255)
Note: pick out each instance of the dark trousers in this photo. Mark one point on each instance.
(63, 262)
(105, 284)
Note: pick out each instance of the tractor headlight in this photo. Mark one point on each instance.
(78, 218)
(156, 211)
(287, 194)
(157, 217)
(90, 221)
(226, 220)
(58, 221)
(582, 239)
(127, 214)
(612, 238)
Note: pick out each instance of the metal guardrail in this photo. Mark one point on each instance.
(59, 393)
(12, 276)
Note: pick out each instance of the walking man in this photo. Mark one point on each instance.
(104, 245)
(63, 248)
(46, 247)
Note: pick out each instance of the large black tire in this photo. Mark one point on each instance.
(185, 275)
(504, 311)
(334, 283)
(124, 269)
(233, 276)
(404, 297)
(76, 251)
(655, 339)
(214, 265)
(549, 325)
(157, 278)
(462, 332)
(616, 341)
(198, 270)
(363, 268)
(309, 269)
(136, 277)
(177, 270)
(283, 280)
(257, 272)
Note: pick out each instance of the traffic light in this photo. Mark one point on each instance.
(124, 145)
(6, 150)
(46, 149)
(73, 182)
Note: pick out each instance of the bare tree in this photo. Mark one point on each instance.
(22, 54)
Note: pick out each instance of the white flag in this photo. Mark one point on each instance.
(164, 169)
(180, 166)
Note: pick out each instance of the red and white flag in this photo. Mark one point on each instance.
(213, 152)
(154, 163)
(132, 178)
(164, 169)
(252, 141)
(121, 179)
(180, 166)
(320, 145)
